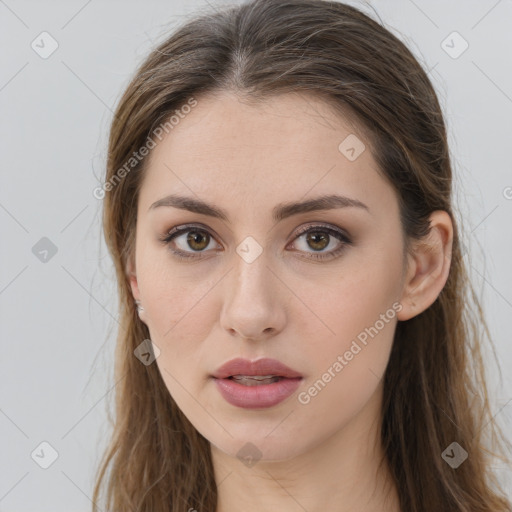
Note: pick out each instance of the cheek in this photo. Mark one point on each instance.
(350, 348)
(347, 367)
(342, 307)
(358, 328)
(174, 296)
(179, 315)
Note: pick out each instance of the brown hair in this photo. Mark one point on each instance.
(434, 385)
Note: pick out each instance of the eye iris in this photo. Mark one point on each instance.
(193, 238)
(313, 237)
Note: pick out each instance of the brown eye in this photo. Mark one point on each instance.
(316, 242)
(198, 240)
(187, 240)
(315, 239)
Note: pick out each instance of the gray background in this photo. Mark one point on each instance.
(58, 317)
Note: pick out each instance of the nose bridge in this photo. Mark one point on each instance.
(251, 272)
(251, 260)
(251, 298)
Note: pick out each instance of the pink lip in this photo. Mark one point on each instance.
(256, 397)
(264, 366)
(253, 397)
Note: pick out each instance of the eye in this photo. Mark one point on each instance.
(198, 240)
(321, 237)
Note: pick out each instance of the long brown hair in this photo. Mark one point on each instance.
(434, 386)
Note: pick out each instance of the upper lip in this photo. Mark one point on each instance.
(265, 366)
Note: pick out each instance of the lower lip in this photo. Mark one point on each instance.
(259, 396)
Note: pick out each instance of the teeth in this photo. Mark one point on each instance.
(257, 377)
(255, 380)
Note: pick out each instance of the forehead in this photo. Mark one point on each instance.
(285, 147)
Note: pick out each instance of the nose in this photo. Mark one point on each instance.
(253, 306)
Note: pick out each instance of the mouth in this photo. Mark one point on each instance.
(251, 372)
(256, 384)
(258, 380)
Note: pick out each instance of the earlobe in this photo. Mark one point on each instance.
(429, 266)
(132, 278)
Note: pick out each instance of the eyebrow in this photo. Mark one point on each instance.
(279, 212)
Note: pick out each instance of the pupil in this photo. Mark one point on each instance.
(193, 238)
(311, 239)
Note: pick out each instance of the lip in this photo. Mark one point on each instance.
(256, 397)
(264, 366)
(262, 395)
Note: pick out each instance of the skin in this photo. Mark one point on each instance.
(202, 312)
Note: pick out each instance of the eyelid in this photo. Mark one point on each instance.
(326, 227)
(183, 228)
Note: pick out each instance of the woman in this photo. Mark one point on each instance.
(295, 323)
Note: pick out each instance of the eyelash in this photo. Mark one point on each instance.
(338, 234)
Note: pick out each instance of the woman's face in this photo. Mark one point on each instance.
(324, 301)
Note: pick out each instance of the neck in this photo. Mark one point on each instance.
(343, 473)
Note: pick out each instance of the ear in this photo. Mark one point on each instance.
(428, 266)
(132, 277)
